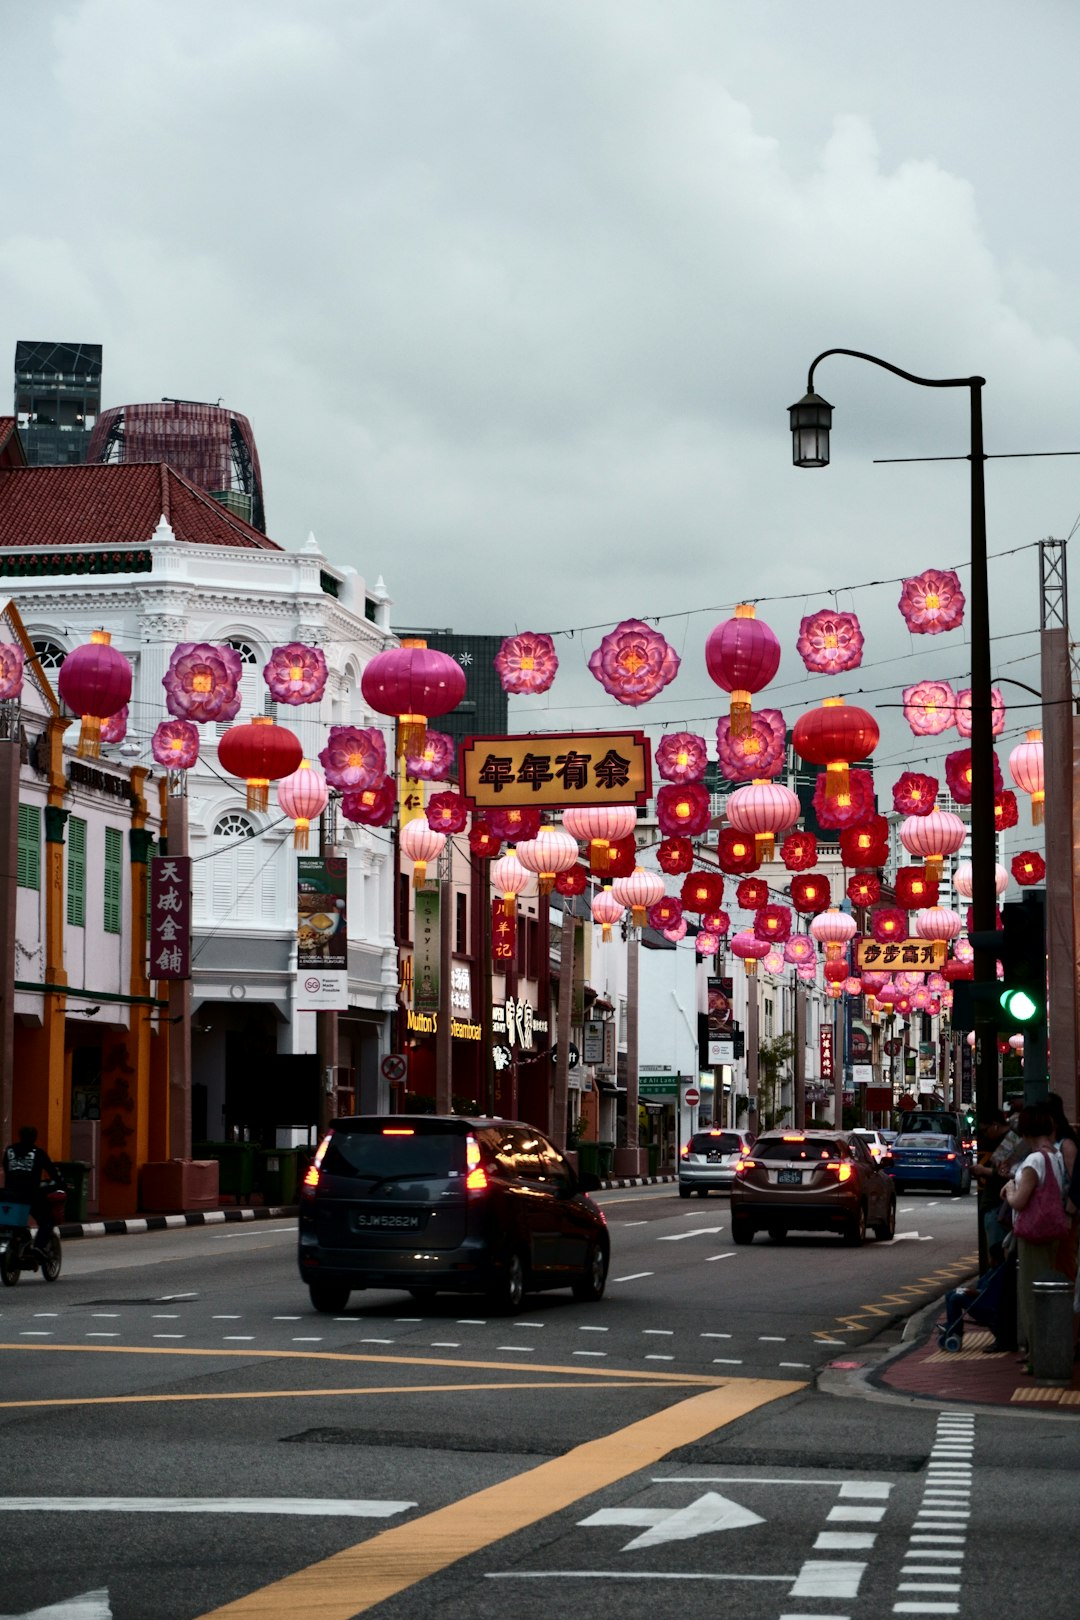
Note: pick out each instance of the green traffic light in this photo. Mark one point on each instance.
(1019, 1005)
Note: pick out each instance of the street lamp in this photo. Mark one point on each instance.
(811, 420)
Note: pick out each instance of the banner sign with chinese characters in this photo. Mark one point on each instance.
(322, 935)
(908, 955)
(555, 768)
(825, 1052)
(170, 917)
(426, 951)
(503, 929)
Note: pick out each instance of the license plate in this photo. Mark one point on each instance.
(387, 1223)
(789, 1178)
(716, 1158)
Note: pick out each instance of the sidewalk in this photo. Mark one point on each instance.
(970, 1375)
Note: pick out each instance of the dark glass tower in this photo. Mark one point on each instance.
(57, 400)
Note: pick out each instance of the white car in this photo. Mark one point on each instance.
(708, 1160)
(876, 1141)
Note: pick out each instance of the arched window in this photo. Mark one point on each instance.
(50, 653)
(250, 680)
(233, 825)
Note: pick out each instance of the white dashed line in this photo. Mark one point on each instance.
(635, 1276)
(309, 1338)
(729, 1254)
(527, 1348)
(472, 1321)
(714, 1335)
(170, 1335)
(36, 1333)
(103, 1335)
(376, 1341)
(445, 1344)
(665, 1333)
(587, 1328)
(659, 1358)
(726, 1361)
(297, 1318)
(237, 1338)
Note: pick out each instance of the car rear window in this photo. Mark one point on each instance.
(797, 1149)
(387, 1150)
(714, 1142)
(925, 1139)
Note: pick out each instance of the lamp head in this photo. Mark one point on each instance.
(811, 420)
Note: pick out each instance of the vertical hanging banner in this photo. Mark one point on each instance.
(426, 951)
(322, 935)
(503, 929)
(170, 917)
(825, 1052)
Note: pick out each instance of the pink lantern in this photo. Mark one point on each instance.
(773, 923)
(889, 993)
(872, 981)
(1025, 766)
(511, 879)
(639, 891)
(921, 999)
(202, 682)
(914, 793)
(932, 602)
(606, 911)
(448, 813)
(303, 796)
(750, 950)
(175, 744)
(774, 962)
(436, 761)
(806, 972)
(964, 951)
(94, 681)
(683, 808)
(756, 753)
(552, 851)
(830, 642)
(526, 663)
(938, 922)
(963, 881)
(296, 674)
(634, 663)
(936, 983)
(114, 729)
(681, 757)
(929, 707)
(420, 844)
(963, 712)
(12, 658)
(706, 944)
(414, 683)
(742, 655)
(833, 929)
(371, 806)
(799, 949)
(600, 826)
(677, 931)
(1016, 1042)
(933, 837)
(764, 809)
(354, 757)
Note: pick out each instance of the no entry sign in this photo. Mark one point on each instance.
(691, 1096)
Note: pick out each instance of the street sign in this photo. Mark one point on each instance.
(691, 1096)
(394, 1066)
(912, 955)
(556, 769)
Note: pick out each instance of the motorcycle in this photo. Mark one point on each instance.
(17, 1251)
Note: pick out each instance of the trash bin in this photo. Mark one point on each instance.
(605, 1154)
(1051, 1330)
(77, 1175)
(588, 1158)
(275, 1170)
(236, 1166)
(653, 1149)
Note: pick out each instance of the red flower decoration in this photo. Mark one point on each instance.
(914, 793)
(913, 889)
(513, 825)
(864, 889)
(616, 859)
(665, 913)
(958, 775)
(1028, 867)
(702, 891)
(773, 923)
(681, 757)
(810, 892)
(1005, 812)
(683, 809)
(447, 812)
(846, 808)
(929, 707)
(675, 855)
(737, 852)
(372, 806)
(830, 642)
(888, 923)
(634, 663)
(866, 844)
(799, 851)
(482, 841)
(932, 602)
(572, 881)
(758, 753)
(715, 922)
(527, 662)
(752, 893)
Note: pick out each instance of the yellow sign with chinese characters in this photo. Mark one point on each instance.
(900, 955)
(556, 769)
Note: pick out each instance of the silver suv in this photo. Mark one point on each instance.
(708, 1160)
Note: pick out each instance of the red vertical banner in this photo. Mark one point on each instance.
(503, 930)
(170, 917)
(825, 1049)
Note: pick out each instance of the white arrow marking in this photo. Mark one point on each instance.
(710, 1512)
(906, 1237)
(329, 1507)
(87, 1606)
(698, 1231)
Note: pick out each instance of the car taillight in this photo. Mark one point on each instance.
(842, 1168)
(475, 1175)
(887, 1157)
(684, 1151)
(742, 1165)
(311, 1176)
(950, 1156)
(313, 1172)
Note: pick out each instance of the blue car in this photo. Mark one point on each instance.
(927, 1159)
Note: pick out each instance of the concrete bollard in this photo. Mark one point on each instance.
(1051, 1331)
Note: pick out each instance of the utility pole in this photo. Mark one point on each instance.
(567, 942)
(1057, 729)
(799, 1057)
(444, 1080)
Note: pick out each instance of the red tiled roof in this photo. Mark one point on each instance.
(112, 504)
(11, 446)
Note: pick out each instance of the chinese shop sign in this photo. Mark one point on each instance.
(426, 951)
(556, 769)
(910, 955)
(170, 917)
(502, 934)
(825, 1052)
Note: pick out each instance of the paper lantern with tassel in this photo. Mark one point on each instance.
(606, 911)
(261, 752)
(933, 837)
(303, 796)
(638, 892)
(552, 851)
(94, 681)
(833, 929)
(510, 878)
(414, 683)
(421, 844)
(750, 950)
(835, 735)
(1025, 766)
(938, 922)
(599, 825)
(742, 655)
(763, 809)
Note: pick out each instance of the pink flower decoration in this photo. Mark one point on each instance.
(527, 662)
(760, 753)
(850, 807)
(202, 682)
(676, 933)
(114, 729)
(634, 663)
(436, 762)
(799, 949)
(371, 806)
(830, 642)
(175, 744)
(12, 658)
(933, 602)
(707, 944)
(958, 775)
(681, 757)
(296, 674)
(914, 793)
(963, 712)
(683, 809)
(929, 707)
(354, 758)
(447, 812)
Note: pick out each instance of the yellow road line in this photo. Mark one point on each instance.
(355, 1580)
(307, 1394)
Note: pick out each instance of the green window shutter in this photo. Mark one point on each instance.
(29, 846)
(76, 872)
(114, 878)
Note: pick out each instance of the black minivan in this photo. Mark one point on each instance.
(428, 1202)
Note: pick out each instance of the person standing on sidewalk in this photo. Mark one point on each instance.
(1036, 1195)
(991, 1182)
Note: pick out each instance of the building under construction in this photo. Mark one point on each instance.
(210, 444)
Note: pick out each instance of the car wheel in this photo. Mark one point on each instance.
(741, 1231)
(507, 1293)
(329, 1298)
(885, 1230)
(591, 1285)
(703, 1192)
(423, 1295)
(778, 1234)
(855, 1230)
(684, 1192)
(50, 1266)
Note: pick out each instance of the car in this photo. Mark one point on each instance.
(875, 1140)
(707, 1161)
(429, 1202)
(929, 1159)
(811, 1181)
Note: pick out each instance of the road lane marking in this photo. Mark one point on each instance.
(696, 1231)
(728, 1254)
(635, 1276)
(664, 1333)
(572, 1380)
(325, 1507)
(828, 1578)
(704, 1516)
(360, 1577)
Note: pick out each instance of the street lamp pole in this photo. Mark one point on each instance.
(811, 420)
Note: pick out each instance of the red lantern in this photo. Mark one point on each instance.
(888, 923)
(683, 808)
(262, 753)
(702, 891)
(799, 851)
(572, 882)
(914, 889)
(867, 844)
(736, 853)
(763, 809)
(956, 969)
(864, 889)
(835, 972)
(413, 683)
(742, 655)
(675, 855)
(752, 893)
(773, 923)
(1028, 867)
(482, 841)
(810, 892)
(95, 681)
(835, 736)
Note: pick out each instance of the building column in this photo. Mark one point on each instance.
(40, 1090)
(9, 897)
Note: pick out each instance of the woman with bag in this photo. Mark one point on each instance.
(1036, 1195)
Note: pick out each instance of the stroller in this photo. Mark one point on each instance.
(991, 1303)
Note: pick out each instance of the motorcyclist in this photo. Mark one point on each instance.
(26, 1168)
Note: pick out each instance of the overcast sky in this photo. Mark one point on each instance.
(516, 292)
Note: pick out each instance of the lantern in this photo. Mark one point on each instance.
(799, 851)
(1005, 810)
(1028, 867)
(810, 892)
(958, 775)
(354, 757)
(414, 683)
(1016, 1042)
(633, 663)
(448, 813)
(914, 793)
(763, 809)
(526, 663)
(175, 744)
(702, 891)
(12, 658)
(889, 993)
(436, 761)
(758, 752)
(830, 642)
(956, 968)
(752, 893)
(964, 951)
(963, 712)
(750, 950)
(665, 913)
(834, 736)
(835, 972)
(94, 681)
(202, 682)
(773, 923)
(736, 853)
(681, 757)
(511, 879)
(933, 837)
(482, 841)
(932, 602)
(849, 807)
(552, 851)
(706, 944)
(421, 844)
(963, 881)
(675, 855)
(372, 806)
(929, 707)
(921, 1000)
(742, 655)
(296, 674)
(1025, 766)
(677, 931)
(866, 844)
(935, 983)
(514, 825)
(598, 826)
(913, 889)
(683, 809)
(833, 929)
(261, 752)
(114, 729)
(807, 972)
(864, 889)
(303, 796)
(638, 892)
(572, 881)
(888, 923)
(606, 911)
(937, 922)
(799, 950)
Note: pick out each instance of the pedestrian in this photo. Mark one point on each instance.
(991, 1180)
(25, 1167)
(1068, 1144)
(1036, 1196)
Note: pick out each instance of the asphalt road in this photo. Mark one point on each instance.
(183, 1436)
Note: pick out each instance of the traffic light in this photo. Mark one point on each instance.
(1020, 946)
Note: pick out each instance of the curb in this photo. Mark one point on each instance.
(634, 1181)
(167, 1223)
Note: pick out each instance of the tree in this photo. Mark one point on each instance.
(773, 1057)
